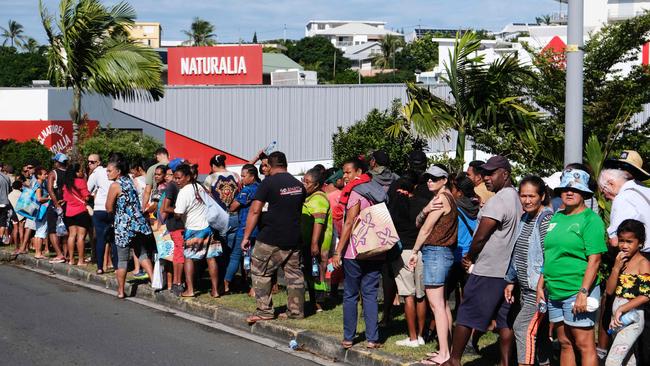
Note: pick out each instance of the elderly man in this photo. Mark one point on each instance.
(630, 200)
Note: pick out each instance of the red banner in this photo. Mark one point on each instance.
(218, 65)
(55, 135)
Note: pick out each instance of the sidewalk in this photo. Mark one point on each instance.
(319, 334)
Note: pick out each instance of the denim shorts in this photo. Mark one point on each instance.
(437, 261)
(562, 311)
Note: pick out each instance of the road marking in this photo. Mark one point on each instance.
(193, 318)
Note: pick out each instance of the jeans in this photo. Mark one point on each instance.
(235, 258)
(361, 276)
(101, 222)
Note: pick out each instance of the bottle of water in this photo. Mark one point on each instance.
(315, 271)
(269, 149)
(626, 319)
(542, 307)
(247, 261)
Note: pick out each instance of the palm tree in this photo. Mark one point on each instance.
(89, 54)
(543, 19)
(31, 45)
(13, 33)
(201, 33)
(389, 47)
(480, 94)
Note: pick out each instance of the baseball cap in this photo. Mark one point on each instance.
(381, 158)
(496, 162)
(60, 157)
(175, 163)
(334, 177)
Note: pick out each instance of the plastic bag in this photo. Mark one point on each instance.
(61, 230)
(157, 281)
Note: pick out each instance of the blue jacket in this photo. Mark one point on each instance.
(535, 252)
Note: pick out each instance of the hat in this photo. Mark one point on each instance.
(60, 157)
(381, 158)
(334, 177)
(575, 179)
(496, 162)
(417, 158)
(437, 172)
(630, 161)
(175, 163)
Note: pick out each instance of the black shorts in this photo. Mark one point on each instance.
(483, 301)
(83, 220)
(4, 216)
(51, 217)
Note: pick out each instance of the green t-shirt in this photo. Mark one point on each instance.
(570, 239)
(316, 209)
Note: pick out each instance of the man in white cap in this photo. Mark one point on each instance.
(630, 200)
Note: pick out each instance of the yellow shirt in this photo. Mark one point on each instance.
(483, 194)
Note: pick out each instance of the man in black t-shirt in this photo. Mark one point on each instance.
(279, 240)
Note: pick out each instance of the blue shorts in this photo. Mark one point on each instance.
(482, 302)
(436, 263)
(562, 311)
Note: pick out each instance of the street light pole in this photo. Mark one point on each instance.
(574, 84)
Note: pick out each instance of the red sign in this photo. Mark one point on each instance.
(180, 146)
(55, 135)
(218, 65)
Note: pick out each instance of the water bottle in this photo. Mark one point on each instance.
(315, 271)
(247, 261)
(269, 149)
(541, 307)
(626, 319)
(293, 344)
(330, 269)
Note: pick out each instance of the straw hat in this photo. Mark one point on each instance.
(630, 161)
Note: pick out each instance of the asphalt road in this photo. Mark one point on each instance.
(44, 321)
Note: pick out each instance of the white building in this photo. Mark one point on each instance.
(346, 33)
(362, 55)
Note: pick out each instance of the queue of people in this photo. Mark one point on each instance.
(520, 258)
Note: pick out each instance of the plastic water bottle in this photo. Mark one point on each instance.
(330, 269)
(247, 261)
(269, 149)
(315, 271)
(541, 307)
(626, 319)
(293, 344)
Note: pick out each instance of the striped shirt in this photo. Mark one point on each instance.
(521, 250)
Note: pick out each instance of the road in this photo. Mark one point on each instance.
(45, 321)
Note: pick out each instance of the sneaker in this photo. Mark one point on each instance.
(142, 275)
(407, 342)
(421, 341)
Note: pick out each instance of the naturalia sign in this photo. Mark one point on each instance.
(218, 65)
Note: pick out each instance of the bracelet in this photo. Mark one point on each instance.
(336, 254)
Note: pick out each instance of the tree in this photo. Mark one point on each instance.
(13, 33)
(201, 33)
(482, 96)
(90, 54)
(421, 54)
(369, 134)
(255, 37)
(19, 69)
(318, 54)
(19, 154)
(134, 145)
(543, 20)
(31, 45)
(389, 47)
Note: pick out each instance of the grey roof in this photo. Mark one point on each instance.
(276, 61)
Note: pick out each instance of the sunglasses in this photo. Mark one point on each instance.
(92, 162)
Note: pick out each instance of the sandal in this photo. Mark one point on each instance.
(256, 318)
(346, 344)
(431, 361)
(373, 345)
(99, 272)
(285, 316)
(39, 257)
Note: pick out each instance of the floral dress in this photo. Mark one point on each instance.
(129, 220)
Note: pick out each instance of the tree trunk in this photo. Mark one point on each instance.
(75, 115)
(460, 147)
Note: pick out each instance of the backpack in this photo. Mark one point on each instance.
(466, 225)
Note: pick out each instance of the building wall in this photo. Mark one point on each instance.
(147, 33)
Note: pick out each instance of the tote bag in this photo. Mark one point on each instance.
(373, 232)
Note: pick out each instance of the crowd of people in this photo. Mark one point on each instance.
(530, 262)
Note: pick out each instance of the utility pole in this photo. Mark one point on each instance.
(284, 34)
(573, 126)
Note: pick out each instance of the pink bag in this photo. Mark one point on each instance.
(373, 232)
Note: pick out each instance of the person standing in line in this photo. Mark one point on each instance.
(40, 189)
(362, 276)
(476, 176)
(162, 158)
(98, 185)
(28, 225)
(278, 242)
(175, 227)
(487, 263)
(77, 219)
(241, 205)
(139, 176)
(57, 204)
(525, 268)
(132, 230)
(574, 244)
(5, 205)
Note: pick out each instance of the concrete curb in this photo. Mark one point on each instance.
(321, 345)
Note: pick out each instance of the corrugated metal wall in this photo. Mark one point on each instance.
(241, 120)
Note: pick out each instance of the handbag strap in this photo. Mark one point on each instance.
(464, 219)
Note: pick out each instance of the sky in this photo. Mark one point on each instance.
(239, 19)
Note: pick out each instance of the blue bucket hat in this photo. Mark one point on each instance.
(60, 157)
(575, 179)
(175, 163)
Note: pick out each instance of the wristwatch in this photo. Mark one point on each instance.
(584, 291)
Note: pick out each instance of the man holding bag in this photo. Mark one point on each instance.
(361, 275)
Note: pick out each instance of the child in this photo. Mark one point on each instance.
(630, 280)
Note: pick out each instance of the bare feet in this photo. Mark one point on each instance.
(188, 294)
(215, 294)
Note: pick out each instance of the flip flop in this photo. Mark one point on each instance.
(372, 345)
(346, 344)
(256, 318)
(39, 257)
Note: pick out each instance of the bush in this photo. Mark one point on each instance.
(134, 145)
(370, 134)
(19, 154)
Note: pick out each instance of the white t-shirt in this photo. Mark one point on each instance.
(98, 184)
(631, 202)
(194, 211)
(139, 183)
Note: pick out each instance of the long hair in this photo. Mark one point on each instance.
(71, 175)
